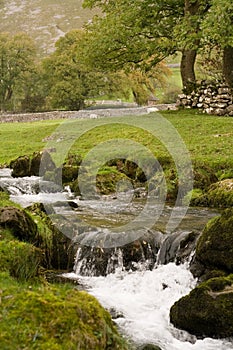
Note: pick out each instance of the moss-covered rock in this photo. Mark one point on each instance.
(207, 310)
(20, 166)
(54, 318)
(59, 252)
(149, 347)
(37, 164)
(20, 223)
(215, 246)
(204, 176)
(21, 259)
(218, 195)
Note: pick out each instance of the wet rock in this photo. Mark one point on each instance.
(95, 261)
(149, 347)
(36, 165)
(177, 247)
(208, 310)
(22, 225)
(20, 166)
(40, 163)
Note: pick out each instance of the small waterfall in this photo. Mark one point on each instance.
(142, 254)
(30, 189)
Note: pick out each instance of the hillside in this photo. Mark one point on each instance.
(44, 20)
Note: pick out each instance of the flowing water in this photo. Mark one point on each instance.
(139, 299)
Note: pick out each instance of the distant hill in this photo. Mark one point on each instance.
(44, 20)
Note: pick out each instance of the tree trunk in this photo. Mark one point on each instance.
(228, 65)
(188, 59)
(187, 69)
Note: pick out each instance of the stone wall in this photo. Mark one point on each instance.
(209, 97)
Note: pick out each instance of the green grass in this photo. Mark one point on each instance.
(208, 138)
(23, 138)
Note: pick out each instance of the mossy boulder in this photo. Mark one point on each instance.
(40, 163)
(21, 259)
(21, 224)
(218, 195)
(56, 317)
(149, 347)
(204, 176)
(37, 164)
(20, 166)
(208, 310)
(59, 252)
(215, 246)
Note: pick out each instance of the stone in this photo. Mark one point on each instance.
(230, 108)
(220, 111)
(208, 310)
(21, 224)
(149, 347)
(40, 163)
(20, 166)
(36, 165)
(223, 90)
(215, 245)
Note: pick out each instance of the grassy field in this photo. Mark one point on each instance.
(208, 138)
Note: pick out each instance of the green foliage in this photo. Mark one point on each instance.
(17, 55)
(133, 32)
(71, 80)
(217, 27)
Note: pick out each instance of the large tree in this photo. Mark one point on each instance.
(17, 63)
(217, 30)
(71, 80)
(143, 33)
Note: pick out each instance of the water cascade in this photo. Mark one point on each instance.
(138, 282)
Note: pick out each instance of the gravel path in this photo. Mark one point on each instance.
(83, 114)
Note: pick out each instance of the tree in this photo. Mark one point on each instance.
(71, 78)
(143, 33)
(17, 62)
(217, 29)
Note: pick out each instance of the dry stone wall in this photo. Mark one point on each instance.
(211, 98)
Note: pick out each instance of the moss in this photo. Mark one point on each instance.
(221, 194)
(21, 259)
(207, 310)
(215, 245)
(193, 197)
(58, 251)
(218, 195)
(53, 317)
(5, 200)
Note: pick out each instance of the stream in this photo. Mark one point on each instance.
(139, 299)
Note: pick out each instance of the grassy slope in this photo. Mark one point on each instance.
(208, 138)
(44, 20)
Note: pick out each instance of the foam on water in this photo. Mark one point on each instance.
(144, 299)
